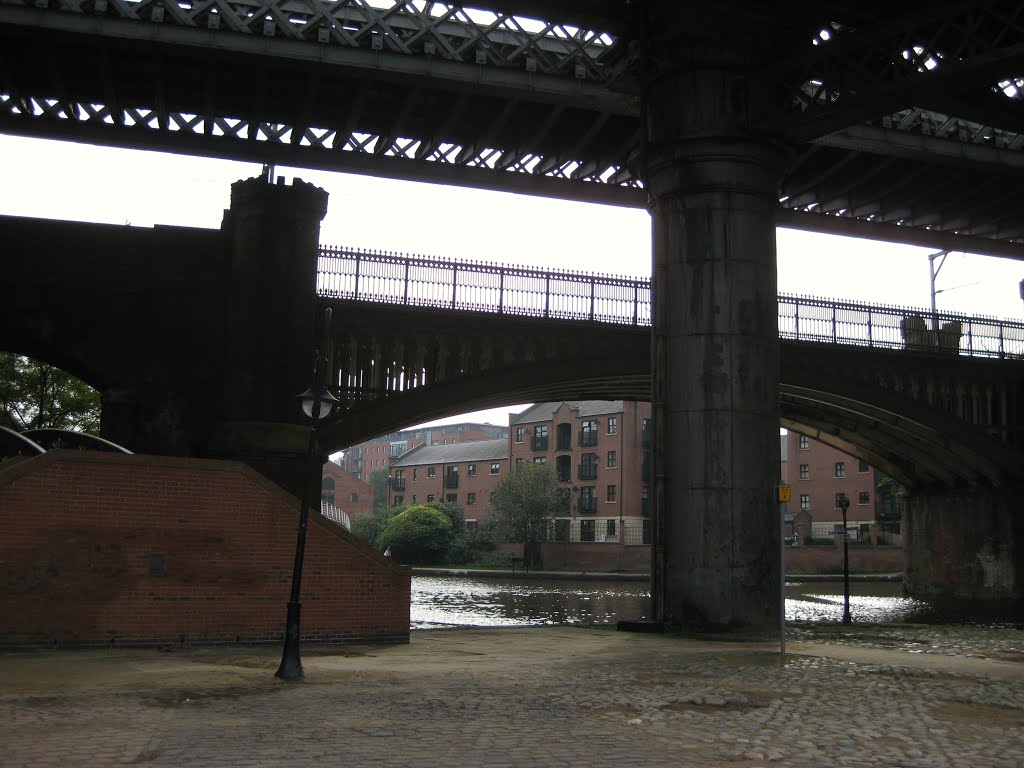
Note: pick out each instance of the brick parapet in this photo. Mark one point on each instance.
(83, 530)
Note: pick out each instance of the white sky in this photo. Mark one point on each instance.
(61, 180)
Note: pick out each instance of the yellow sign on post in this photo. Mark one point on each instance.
(785, 492)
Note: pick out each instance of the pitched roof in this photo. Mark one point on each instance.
(544, 411)
(454, 453)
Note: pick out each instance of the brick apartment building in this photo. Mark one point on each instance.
(819, 475)
(340, 488)
(362, 459)
(464, 473)
(597, 450)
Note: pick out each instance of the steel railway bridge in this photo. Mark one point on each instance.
(724, 119)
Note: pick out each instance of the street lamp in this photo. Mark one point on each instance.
(844, 504)
(316, 402)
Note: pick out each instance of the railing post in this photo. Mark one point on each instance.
(834, 324)
(501, 290)
(796, 317)
(636, 302)
(1002, 351)
(593, 283)
(547, 295)
(455, 284)
(356, 288)
(405, 295)
(871, 342)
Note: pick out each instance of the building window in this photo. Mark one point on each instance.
(588, 434)
(470, 498)
(805, 471)
(613, 425)
(862, 467)
(399, 500)
(520, 434)
(863, 497)
(454, 497)
(414, 474)
(611, 493)
(471, 470)
(354, 497)
(840, 469)
(609, 530)
(519, 462)
(563, 437)
(588, 466)
(612, 460)
(540, 438)
(563, 468)
(495, 468)
(803, 443)
(398, 481)
(540, 460)
(431, 473)
(839, 497)
(588, 499)
(587, 530)
(430, 497)
(805, 501)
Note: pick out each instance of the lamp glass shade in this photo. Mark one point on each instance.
(310, 396)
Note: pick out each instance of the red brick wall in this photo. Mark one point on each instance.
(345, 486)
(80, 529)
(863, 559)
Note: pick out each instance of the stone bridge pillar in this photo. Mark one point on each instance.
(273, 235)
(713, 192)
(966, 543)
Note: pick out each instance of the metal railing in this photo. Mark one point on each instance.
(425, 282)
(418, 281)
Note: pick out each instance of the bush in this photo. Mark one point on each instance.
(370, 526)
(419, 535)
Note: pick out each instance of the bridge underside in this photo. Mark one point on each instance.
(723, 119)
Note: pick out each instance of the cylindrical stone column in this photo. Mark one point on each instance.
(715, 361)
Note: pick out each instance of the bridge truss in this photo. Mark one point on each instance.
(906, 126)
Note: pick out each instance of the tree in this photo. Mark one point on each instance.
(418, 535)
(370, 526)
(34, 395)
(379, 488)
(523, 504)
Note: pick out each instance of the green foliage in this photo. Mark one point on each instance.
(369, 527)
(418, 535)
(379, 487)
(524, 502)
(34, 395)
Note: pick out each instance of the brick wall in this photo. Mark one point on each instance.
(86, 535)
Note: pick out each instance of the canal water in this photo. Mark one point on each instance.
(462, 601)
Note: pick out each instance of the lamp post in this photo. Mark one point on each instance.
(317, 402)
(844, 504)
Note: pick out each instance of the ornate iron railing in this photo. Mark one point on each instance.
(426, 282)
(419, 281)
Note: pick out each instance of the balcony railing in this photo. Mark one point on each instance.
(539, 442)
(346, 273)
(587, 472)
(451, 481)
(588, 438)
(397, 483)
(587, 505)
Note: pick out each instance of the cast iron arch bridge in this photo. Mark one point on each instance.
(929, 400)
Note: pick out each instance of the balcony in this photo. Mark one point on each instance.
(451, 481)
(587, 472)
(588, 438)
(397, 483)
(645, 507)
(587, 505)
(539, 442)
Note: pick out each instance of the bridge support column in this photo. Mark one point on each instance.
(966, 543)
(716, 348)
(273, 235)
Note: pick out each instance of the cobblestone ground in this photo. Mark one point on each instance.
(860, 696)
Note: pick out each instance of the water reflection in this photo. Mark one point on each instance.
(439, 602)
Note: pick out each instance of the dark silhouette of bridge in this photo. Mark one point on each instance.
(725, 119)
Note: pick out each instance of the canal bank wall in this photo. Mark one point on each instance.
(520, 573)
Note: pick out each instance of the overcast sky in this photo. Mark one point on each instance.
(84, 183)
